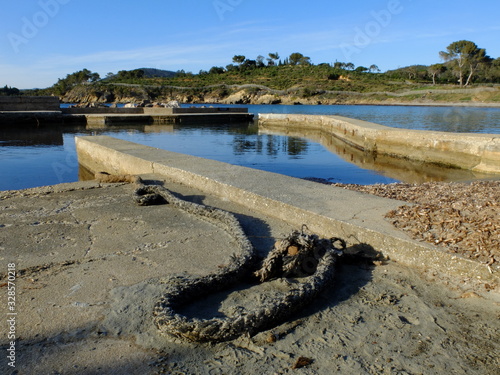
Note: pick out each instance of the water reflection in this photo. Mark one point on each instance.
(32, 156)
(458, 120)
(270, 145)
(395, 168)
(29, 136)
(446, 118)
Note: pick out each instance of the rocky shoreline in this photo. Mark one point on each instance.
(258, 94)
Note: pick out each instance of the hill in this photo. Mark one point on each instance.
(157, 73)
(286, 84)
(297, 80)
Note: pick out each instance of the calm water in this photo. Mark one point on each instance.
(36, 157)
(447, 119)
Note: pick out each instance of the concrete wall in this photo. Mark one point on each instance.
(210, 110)
(175, 111)
(477, 152)
(328, 211)
(29, 103)
(150, 111)
(101, 111)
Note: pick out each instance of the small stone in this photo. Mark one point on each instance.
(271, 338)
(293, 250)
(302, 362)
(470, 295)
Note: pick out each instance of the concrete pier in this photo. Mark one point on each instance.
(328, 211)
(29, 110)
(117, 116)
(476, 152)
(29, 103)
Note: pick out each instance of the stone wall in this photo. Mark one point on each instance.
(29, 103)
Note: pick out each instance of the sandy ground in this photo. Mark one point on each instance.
(89, 262)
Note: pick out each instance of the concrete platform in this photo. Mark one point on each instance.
(91, 266)
(117, 116)
(328, 211)
(176, 118)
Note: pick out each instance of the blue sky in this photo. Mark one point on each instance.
(43, 40)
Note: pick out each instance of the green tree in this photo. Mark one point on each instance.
(339, 65)
(297, 58)
(216, 70)
(361, 69)
(248, 65)
(465, 56)
(349, 66)
(412, 71)
(131, 74)
(231, 68)
(492, 71)
(478, 60)
(435, 70)
(65, 84)
(7, 91)
(238, 59)
(273, 57)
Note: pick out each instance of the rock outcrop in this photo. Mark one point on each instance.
(239, 94)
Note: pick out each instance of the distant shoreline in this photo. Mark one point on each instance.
(256, 94)
(396, 104)
(434, 104)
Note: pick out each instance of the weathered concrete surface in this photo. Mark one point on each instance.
(77, 247)
(91, 265)
(100, 111)
(161, 117)
(29, 110)
(328, 211)
(152, 111)
(477, 152)
(36, 111)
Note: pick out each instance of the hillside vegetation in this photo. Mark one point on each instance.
(466, 75)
